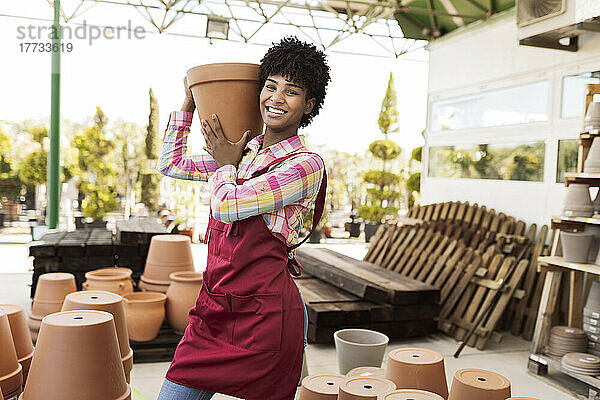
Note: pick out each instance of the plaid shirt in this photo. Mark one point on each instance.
(283, 195)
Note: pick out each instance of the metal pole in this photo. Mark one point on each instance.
(54, 153)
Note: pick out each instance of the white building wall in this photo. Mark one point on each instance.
(488, 57)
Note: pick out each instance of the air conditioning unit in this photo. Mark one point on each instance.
(556, 23)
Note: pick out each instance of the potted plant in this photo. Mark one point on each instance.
(383, 191)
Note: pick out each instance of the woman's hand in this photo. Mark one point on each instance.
(188, 104)
(219, 147)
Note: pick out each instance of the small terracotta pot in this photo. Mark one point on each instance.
(181, 297)
(145, 312)
(53, 287)
(11, 372)
(20, 335)
(414, 368)
(471, 384)
(77, 356)
(364, 388)
(115, 280)
(359, 348)
(167, 254)
(231, 91)
(367, 371)
(111, 303)
(321, 387)
(576, 246)
(410, 394)
(578, 202)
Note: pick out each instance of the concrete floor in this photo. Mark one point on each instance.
(509, 357)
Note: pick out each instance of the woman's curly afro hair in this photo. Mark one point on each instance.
(301, 63)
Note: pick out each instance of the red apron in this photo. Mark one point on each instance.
(245, 337)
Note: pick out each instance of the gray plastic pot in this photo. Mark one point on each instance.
(576, 246)
(359, 348)
(578, 202)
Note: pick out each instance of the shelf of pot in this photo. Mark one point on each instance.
(559, 263)
(582, 177)
(554, 362)
(573, 223)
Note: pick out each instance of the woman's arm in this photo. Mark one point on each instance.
(297, 179)
(173, 160)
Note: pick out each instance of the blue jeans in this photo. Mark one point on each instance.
(174, 391)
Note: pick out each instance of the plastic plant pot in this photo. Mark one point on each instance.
(578, 202)
(359, 348)
(414, 368)
(181, 298)
(576, 246)
(144, 312)
(20, 335)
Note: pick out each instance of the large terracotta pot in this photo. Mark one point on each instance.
(414, 368)
(115, 280)
(109, 302)
(364, 388)
(576, 246)
(470, 384)
(77, 357)
(231, 91)
(145, 312)
(321, 387)
(578, 202)
(359, 348)
(410, 394)
(167, 254)
(181, 297)
(20, 335)
(11, 372)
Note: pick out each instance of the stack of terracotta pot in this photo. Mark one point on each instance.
(181, 297)
(20, 335)
(145, 313)
(112, 303)
(167, 254)
(115, 280)
(581, 363)
(49, 295)
(77, 356)
(11, 372)
(565, 339)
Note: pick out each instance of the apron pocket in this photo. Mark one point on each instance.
(214, 315)
(222, 239)
(258, 320)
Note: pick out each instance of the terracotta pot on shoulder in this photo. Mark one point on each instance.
(321, 387)
(112, 303)
(181, 297)
(359, 348)
(145, 312)
(20, 335)
(77, 357)
(364, 388)
(367, 371)
(167, 254)
(231, 91)
(410, 394)
(11, 372)
(414, 368)
(471, 384)
(115, 280)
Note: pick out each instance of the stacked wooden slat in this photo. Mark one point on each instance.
(85, 250)
(465, 250)
(343, 292)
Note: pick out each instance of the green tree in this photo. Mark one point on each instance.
(150, 178)
(97, 177)
(383, 189)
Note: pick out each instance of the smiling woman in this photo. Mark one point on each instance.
(245, 336)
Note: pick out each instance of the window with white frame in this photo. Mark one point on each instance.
(573, 93)
(507, 106)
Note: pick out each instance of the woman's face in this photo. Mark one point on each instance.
(283, 103)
